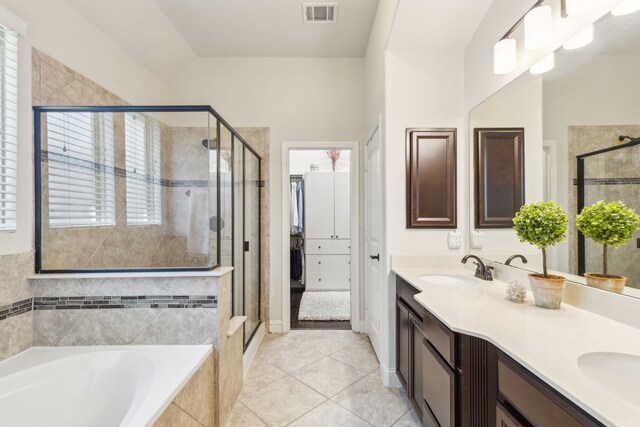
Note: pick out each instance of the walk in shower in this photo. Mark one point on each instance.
(611, 174)
(161, 188)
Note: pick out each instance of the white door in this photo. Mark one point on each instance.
(373, 234)
(342, 205)
(318, 205)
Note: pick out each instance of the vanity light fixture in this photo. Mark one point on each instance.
(538, 27)
(546, 64)
(504, 56)
(626, 7)
(581, 39)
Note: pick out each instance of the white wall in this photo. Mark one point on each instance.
(300, 161)
(519, 104)
(56, 29)
(422, 89)
(299, 99)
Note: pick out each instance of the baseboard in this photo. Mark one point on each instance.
(389, 377)
(252, 350)
(275, 327)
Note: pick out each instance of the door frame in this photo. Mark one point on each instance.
(356, 323)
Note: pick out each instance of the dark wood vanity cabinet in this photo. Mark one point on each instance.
(458, 380)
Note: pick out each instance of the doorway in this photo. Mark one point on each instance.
(320, 236)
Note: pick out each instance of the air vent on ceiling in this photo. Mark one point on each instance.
(320, 12)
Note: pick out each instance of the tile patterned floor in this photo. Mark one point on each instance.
(310, 378)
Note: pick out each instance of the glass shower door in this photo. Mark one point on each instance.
(252, 283)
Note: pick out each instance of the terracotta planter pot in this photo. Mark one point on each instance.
(547, 291)
(609, 283)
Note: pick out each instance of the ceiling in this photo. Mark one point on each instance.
(428, 24)
(272, 28)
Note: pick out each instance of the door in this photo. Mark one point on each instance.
(342, 217)
(373, 235)
(251, 245)
(319, 207)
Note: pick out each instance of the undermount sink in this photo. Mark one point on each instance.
(447, 280)
(617, 372)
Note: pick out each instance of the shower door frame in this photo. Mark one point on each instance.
(580, 163)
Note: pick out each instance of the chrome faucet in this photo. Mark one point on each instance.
(482, 271)
(512, 257)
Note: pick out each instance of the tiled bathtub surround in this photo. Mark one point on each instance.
(130, 310)
(16, 325)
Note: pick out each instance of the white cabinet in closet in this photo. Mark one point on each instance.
(327, 231)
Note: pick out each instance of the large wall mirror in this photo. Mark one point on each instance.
(581, 106)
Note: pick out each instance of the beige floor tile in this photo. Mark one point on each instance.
(241, 416)
(360, 355)
(329, 414)
(291, 357)
(410, 419)
(330, 342)
(282, 401)
(328, 376)
(371, 400)
(260, 374)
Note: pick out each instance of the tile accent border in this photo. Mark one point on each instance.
(608, 181)
(107, 302)
(16, 308)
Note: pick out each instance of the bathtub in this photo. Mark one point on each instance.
(97, 386)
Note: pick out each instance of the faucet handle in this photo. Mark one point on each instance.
(487, 272)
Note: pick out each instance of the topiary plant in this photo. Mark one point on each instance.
(541, 224)
(610, 224)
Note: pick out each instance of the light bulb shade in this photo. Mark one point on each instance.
(626, 7)
(504, 56)
(538, 27)
(576, 7)
(546, 64)
(581, 39)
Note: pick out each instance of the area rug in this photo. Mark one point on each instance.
(334, 305)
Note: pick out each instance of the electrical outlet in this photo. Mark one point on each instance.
(454, 239)
(477, 239)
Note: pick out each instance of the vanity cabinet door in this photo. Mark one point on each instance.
(402, 340)
(439, 386)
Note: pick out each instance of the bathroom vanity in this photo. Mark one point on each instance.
(468, 357)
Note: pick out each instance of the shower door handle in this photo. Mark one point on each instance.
(246, 246)
(376, 257)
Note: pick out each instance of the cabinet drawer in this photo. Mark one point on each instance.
(328, 246)
(441, 337)
(534, 400)
(405, 292)
(327, 281)
(438, 386)
(328, 263)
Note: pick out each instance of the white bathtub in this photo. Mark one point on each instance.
(97, 386)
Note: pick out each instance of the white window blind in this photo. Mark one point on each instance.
(142, 145)
(81, 174)
(8, 127)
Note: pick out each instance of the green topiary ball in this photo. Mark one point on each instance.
(542, 224)
(608, 223)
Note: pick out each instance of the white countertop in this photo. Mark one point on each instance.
(547, 342)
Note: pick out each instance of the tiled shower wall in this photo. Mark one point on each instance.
(119, 246)
(622, 183)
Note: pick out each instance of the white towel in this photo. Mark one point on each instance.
(198, 239)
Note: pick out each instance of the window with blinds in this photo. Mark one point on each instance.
(8, 127)
(142, 146)
(80, 172)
